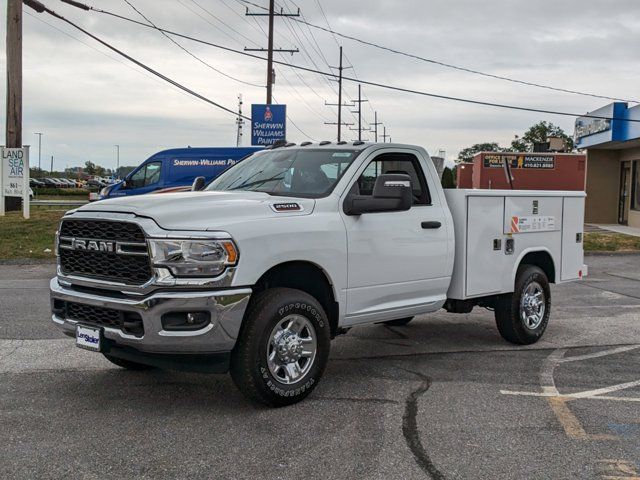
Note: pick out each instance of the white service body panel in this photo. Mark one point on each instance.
(495, 229)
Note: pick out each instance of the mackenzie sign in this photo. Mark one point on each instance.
(268, 124)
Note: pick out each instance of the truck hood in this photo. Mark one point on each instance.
(204, 210)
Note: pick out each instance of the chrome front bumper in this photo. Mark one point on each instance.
(226, 307)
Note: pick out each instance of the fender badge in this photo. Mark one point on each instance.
(286, 207)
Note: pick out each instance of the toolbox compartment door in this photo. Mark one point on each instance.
(485, 265)
(572, 238)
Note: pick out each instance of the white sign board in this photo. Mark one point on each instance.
(14, 177)
(533, 224)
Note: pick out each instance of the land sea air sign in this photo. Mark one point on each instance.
(14, 177)
(15, 172)
(268, 124)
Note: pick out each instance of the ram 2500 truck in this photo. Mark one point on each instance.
(258, 271)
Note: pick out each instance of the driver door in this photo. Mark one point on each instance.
(147, 178)
(397, 261)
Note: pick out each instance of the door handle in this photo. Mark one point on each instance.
(431, 225)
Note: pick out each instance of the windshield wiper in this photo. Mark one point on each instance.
(258, 182)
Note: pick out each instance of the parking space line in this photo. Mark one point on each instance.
(604, 353)
(558, 402)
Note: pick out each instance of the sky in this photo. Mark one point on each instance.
(85, 99)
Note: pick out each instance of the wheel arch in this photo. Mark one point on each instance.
(308, 277)
(540, 257)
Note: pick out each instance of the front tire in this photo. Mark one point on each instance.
(522, 316)
(282, 349)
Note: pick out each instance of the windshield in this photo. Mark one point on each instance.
(309, 173)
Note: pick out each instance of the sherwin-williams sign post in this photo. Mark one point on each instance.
(268, 124)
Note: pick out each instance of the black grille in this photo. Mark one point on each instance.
(129, 322)
(109, 266)
(102, 230)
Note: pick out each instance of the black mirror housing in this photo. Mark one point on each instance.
(392, 192)
(198, 184)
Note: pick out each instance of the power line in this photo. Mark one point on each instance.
(137, 62)
(463, 69)
(351, 79)
(188, 52)
(155, 79)
(449, 65)
(296, 126)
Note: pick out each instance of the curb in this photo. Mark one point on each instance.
(29, 261)
(623, 253)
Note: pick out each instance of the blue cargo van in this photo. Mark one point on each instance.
(176, 168)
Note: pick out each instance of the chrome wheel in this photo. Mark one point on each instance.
(532, 306)
(292, 349)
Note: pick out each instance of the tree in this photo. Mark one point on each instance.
(89, 168)
(466, 155)
(539, 133)
(447, 178)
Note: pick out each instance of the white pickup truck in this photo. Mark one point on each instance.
(256, 272)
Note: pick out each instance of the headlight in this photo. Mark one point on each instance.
(194, 258)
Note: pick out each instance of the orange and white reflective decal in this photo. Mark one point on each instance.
(514, 225)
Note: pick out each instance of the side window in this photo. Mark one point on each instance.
(152, 174)
(333, 171)
(137, 179)
(395, 163)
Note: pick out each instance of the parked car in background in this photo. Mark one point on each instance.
(35, 183)
(94, 183)
(177, 168)
(50, 182)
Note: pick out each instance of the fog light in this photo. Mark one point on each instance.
(176, 321)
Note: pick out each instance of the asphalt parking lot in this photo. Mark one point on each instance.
(443, 398)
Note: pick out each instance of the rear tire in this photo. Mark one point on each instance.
(401, 322)
(128, 364)
(282, 348)
(522, 316)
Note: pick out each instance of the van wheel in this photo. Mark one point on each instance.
(401, 322)
(128, 364)
(282, 348)
(522, 316)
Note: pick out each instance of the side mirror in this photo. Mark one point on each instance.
(391, 193)
(124, 184)
(198, 184)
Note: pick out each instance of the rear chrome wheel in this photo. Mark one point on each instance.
(522, 316)
(532, 306)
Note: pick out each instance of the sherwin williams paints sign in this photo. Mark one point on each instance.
(268, 124)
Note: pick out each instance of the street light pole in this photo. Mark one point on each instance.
(39, 150)
(117, 159)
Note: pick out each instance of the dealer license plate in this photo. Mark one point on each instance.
(89, 338)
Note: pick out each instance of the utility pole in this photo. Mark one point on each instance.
(39, 150)
(117, 158)
(239, 122)
(13, 134)
(51, 171)
(339, 123)
(14, 74)
(375, 125)
(359, 111)
(384, 135)
(272, 14)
